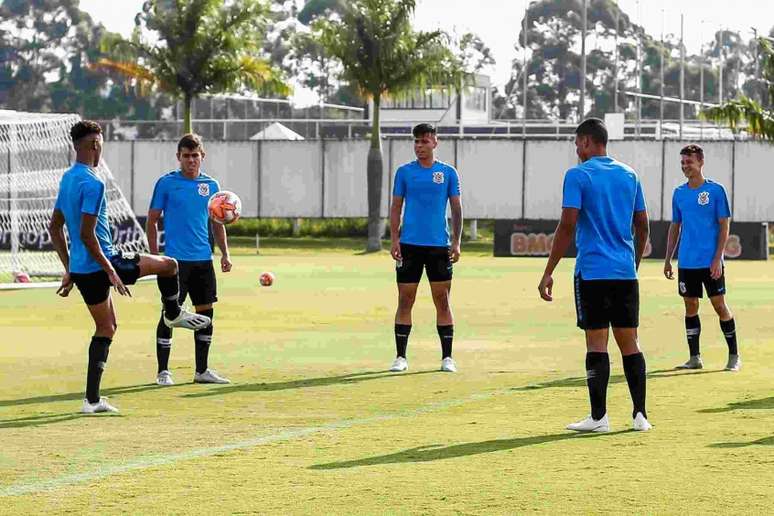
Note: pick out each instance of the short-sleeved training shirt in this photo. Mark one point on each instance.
(425, 192)
(699, 210)
(607, 194)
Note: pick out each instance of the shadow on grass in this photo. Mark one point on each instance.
(580, 381)
(45, 419)
(435, 452)
(303, 383)
(72, 396)
(761, 404)
(765, 441)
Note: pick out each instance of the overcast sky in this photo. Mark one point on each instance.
(497, 21)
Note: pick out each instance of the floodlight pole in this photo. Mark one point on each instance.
(583, 65)
(720, 72)
(639, 74)
(682, 74)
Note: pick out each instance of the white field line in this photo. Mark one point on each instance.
(286, 435)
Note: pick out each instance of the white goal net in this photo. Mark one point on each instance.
(35, 150)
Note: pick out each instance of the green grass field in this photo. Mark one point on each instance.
(314, 423)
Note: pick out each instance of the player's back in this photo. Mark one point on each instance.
(81, 191)
(607, 194)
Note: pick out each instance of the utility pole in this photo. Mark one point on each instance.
(701, 80)
(661, 102)
(615, 67)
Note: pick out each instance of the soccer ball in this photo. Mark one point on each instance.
(21, 277)
(224, 207)
(266, 279)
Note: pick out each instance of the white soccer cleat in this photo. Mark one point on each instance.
(210, 376)
(95, 408)
(164, 378)
(693, 363)
(734, 363)
(188, 320)
(591, 425)
(399, 365)
(448, 365)
(640, 423)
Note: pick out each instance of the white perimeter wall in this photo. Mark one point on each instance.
(501, 179)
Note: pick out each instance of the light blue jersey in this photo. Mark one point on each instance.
(183, 202)
(699, 210)
(425, 192)
(607, 194)
(81, 191)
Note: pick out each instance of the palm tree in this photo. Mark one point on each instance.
(203, 46)
(760, 121)
(382, 55)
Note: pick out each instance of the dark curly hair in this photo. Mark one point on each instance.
(190, 141)
(84, 128)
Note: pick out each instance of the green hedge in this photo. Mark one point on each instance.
(332, 228)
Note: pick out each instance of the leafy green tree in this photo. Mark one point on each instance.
(759, 120)
(201, 46)
(381, 54)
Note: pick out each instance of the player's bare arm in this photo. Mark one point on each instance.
(641, 232)
(672, 238)
(152, 230)
(89, 238)
(58, 240)
(396, 209)
(455, 204)
(221, 239)
(716, 269)
(562, 239)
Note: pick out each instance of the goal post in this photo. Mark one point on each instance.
(35, 150)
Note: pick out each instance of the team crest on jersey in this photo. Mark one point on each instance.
(204, 189)
(438, 178)
(704, 198)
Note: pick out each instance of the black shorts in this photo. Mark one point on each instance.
(436, 260)
(690, 281)
(95, 286)
(603, 303)
(197, 279)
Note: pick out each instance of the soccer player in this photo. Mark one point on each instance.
(182, 196)
(700, 221)
(94, 265)
(422, 240)
(602, 198)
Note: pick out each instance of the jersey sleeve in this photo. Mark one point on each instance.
(572, 191)
(159, 198)
(399, 188)
(92, 196)
(454, 183)
(722, 208)
(639, 198)
(677, 215)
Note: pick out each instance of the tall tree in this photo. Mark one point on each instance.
(202, 46)
(382, 55)
(759, 120)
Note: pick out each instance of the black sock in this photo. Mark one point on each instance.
(729, 331)
(202, 341)
(163, 344)
(168, 286)
(692, 333)
(634, 368)
(402, 332)
(446, 334)
(597, 377)
(98, 355)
